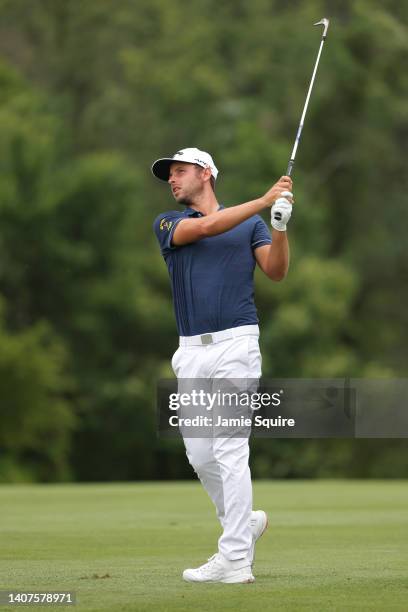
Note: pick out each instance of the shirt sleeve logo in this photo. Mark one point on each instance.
(165, 225)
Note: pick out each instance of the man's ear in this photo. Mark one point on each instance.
(207, 173)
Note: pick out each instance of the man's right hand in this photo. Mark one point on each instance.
(275, 192)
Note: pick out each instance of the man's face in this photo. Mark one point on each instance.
(186, 182)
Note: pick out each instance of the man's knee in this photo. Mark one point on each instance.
(236, 457)
(199, 462)
(199, 455)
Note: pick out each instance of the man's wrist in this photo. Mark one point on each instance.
(276, 233)
(262, 203)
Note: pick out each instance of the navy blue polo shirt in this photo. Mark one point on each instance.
(212, 279)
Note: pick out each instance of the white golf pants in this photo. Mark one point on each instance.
(222, 463)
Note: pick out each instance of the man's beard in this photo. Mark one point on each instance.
(185, 201)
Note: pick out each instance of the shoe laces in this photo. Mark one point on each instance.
(211, 562)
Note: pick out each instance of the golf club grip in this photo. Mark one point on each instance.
(290, 167)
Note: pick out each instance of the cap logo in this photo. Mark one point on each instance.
(200, 161)
(179, 153)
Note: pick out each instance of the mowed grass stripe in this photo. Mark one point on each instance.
(331, 545)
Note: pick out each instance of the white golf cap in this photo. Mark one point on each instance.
(161, 167)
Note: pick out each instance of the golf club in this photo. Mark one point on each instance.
(325, 23)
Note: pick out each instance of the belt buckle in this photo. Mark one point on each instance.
(206, 339)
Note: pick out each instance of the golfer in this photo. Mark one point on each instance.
(211, 252)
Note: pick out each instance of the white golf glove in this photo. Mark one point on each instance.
(281, 212)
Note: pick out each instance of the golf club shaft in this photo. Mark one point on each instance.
(291, 163)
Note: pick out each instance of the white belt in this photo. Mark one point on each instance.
(219, 336)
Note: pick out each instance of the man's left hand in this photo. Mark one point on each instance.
(281, 211)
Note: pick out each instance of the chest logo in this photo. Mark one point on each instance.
(165, 225)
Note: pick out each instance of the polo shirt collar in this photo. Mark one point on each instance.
(191, 212)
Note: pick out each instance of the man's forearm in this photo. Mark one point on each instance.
(224, 220)
(278, 256)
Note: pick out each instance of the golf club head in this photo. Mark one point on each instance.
(324, 22)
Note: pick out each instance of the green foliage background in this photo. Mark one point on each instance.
(90, 94)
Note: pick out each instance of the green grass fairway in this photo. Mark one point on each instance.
(331, 545)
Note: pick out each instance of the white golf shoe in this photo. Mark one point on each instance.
(220, 569)
(259, 524)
